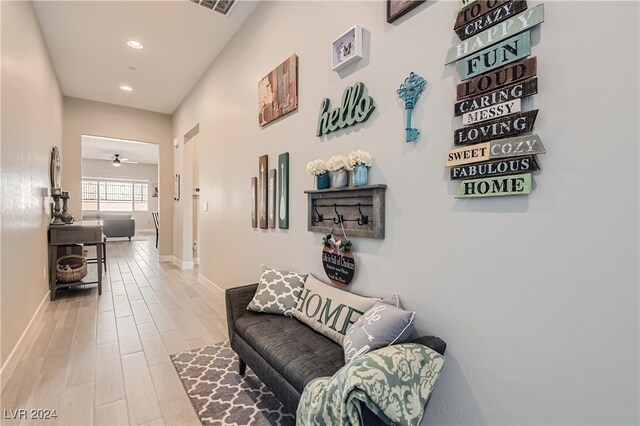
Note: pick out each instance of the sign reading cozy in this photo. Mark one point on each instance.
(328, 310)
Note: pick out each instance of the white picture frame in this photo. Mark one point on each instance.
(347, 48)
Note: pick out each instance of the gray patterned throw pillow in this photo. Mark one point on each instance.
(278, 291)
(382, 325)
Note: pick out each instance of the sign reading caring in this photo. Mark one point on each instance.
(354, 108)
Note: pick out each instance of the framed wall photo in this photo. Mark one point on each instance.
(254, 202)
(397, 8)
(347, 48)
(263, 193)
(278, 91)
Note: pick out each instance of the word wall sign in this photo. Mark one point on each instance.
(493, 153)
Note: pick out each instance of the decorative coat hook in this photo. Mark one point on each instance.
(317, 218)
(363, 219)
(409, 92)
(339, 218)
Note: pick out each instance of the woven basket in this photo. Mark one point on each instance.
(71, 268)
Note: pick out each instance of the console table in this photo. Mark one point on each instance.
(84, 232)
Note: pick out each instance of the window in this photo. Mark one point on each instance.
(115, 195)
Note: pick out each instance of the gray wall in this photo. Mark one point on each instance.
(536, 296)
(31, 127)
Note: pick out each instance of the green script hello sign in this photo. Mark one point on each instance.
(354, 108)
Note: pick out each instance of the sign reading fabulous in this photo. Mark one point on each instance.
(354, 108)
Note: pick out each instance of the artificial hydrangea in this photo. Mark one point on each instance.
(316, 167)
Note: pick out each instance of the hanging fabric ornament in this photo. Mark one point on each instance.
(337, 258)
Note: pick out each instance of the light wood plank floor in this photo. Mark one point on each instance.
(104, 360)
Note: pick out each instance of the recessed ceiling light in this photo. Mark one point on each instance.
(135, 44)
(126, 88)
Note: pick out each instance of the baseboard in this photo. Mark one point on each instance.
(18, 350)
(217, 290)
(146, 230)
(165, 258)
(182, 264)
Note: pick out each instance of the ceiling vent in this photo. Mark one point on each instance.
(220, 6)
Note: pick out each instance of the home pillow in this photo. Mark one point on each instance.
(382, 325)
(328, 310)
(277, 292)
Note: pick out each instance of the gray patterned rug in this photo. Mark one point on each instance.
(220, 395)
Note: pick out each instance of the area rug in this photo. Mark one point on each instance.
(220, 395)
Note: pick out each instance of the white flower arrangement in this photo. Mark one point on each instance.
(316, 167)
(338, 162)
(360, 157)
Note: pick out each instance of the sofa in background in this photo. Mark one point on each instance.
(116, 225)
(285, 353)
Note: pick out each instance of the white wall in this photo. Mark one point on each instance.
(140, 171)
(83, 117)
(536, 296)
(31, 127)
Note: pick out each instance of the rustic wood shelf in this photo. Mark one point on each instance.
(361, 209)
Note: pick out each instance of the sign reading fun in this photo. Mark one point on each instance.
(354, 108)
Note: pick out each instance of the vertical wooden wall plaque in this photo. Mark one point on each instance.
(283, 188)
(499, 78)
(272, 198)
(263, 201)
(495, 56)
(254, 202)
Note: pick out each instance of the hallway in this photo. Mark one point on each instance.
(104, 360)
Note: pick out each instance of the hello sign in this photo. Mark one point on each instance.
(354, 108)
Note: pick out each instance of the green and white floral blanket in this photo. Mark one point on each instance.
(393, 382)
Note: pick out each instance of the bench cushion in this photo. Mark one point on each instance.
(294, 350)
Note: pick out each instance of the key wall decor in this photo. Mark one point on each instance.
(355, 108)
(409, 92)
(491, 156)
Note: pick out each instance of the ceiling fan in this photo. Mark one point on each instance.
(117, 160)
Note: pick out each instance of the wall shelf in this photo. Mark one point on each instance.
(361, 209)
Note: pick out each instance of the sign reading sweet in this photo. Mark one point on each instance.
(501, 148)
(354, 108)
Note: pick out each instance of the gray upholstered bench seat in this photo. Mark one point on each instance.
(285, 353)
(293, 349)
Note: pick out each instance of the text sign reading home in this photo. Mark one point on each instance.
(493, 57)
(510, 125)
(354, 108)
(501, 77)
(519, 90)
(501, 148)
(497, 33)
(491, 18)
(497, 186)
(506, 166)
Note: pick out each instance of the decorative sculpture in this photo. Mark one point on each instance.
(409, 92)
